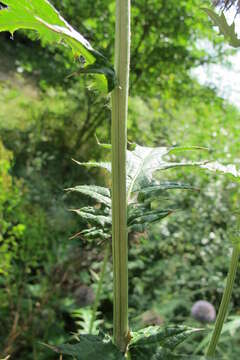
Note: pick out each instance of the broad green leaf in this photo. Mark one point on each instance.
(228, 31)
(173, 341)
(146, 343)
(90, 347)
(98, 193)
(41, 16)
(158, 335)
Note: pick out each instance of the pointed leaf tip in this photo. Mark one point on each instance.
(228, 31)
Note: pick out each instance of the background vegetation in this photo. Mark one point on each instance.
(47, 278)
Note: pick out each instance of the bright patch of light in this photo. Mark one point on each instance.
(225, 79)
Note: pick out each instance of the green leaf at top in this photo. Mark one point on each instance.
(90, 347)
(228, 31)
(41, 16)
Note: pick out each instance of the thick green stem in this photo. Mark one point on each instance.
(128, 356)
(225, 302)
(99, 288)
(119, 198)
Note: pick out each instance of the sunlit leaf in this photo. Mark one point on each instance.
(83, 318)
(142, 187)
(94, 164)
(143, 162)
(41, 16)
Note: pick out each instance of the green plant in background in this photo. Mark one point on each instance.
(41, 16)
(134, 189)
(235, 237)
(10, 233)
(229, 33)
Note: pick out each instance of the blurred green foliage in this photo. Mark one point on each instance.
(47, 118)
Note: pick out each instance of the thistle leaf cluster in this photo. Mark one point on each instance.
(144, 191)
(151, 343)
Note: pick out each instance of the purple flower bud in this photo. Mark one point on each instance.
(84, 295)
(203, 311)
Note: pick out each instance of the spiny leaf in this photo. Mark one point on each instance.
(143, 162)
(173, 341)
(153, 191)
(158, 335)
(95, 233)
(146, 218)
(146, 343)
(41, 16)
(98, 193)
(88, 348)
(93, 216)
(94, 164)
(103, 145)
(228, 31)
(83, 317)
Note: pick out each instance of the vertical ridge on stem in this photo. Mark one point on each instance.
(119, 197)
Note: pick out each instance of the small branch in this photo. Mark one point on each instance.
(225, 302)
